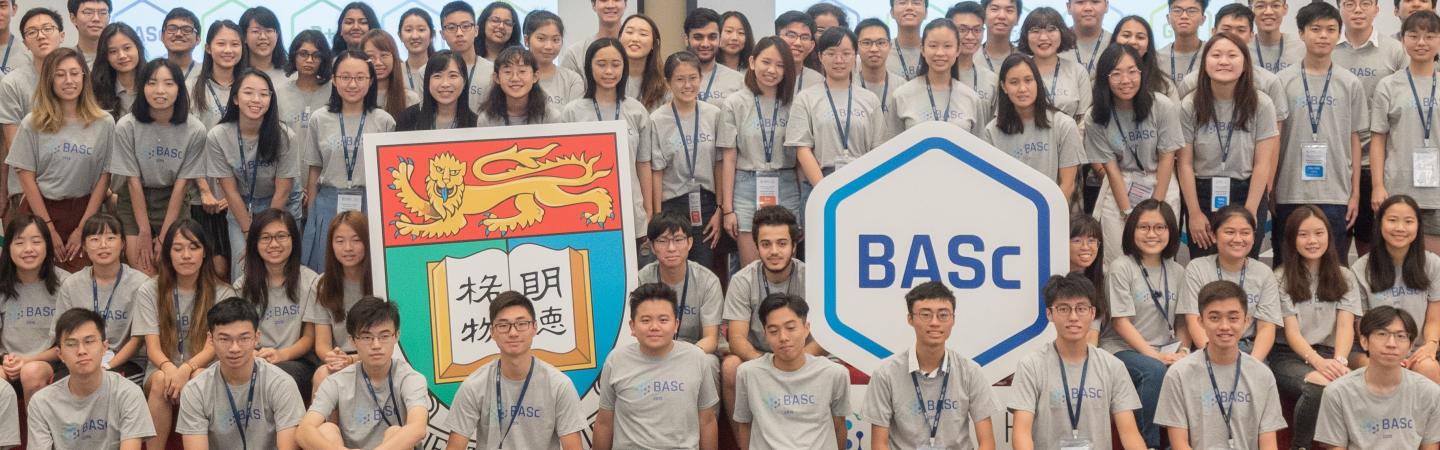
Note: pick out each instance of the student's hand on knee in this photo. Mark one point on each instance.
(336, 360)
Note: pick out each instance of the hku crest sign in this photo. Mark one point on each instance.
(935, 203)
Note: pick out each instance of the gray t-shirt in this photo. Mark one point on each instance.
(1278, 56)
(68, 162)
(637, 129)
(814, 124)
(552, 115)
(881, 89)
(1265, 83)
(806, 78)
(751, 134)
(1087, 53)
(26, 323)
(657, 401)
(114, 413)
(481, 76)
(16, 56)
(147, 320)
(1317, 318)
(1210, 159)
(700, 298)
(573, 56)
(205, 408)
(563, 87)
(323, 145)
(918, 101)
(982, 80)
(1125, 141)
(367, 406)
(1354, 416)
(791, 410)
(1177, 65)
(903, 60)
(671, 148)
(1068, 87)
(719, 84)
(217, 97)
(115, 302)
(1042, 391)
(10, 424)
(1413, 301)
(319, 315)
(411, 98)
(1345, 112)
(224, 158)
(1372, 61)
(1047, 150)
(159, 153)
(280, 322)
(1258, 280)
(1393, 111)
(550, 409)
(890, 400)
(16, 91)
(1133, 295)
(1187, 400)
(749, 287)
(296, 105)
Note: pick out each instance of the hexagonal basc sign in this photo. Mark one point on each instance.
(935, 203)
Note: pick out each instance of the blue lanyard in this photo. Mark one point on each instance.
(1427, 114)
(692, 152)
(1125, 141)
(249, 402)
(884, 92)
(1260, 54)
(1155, 295)
(934, 110)
(849, 111)
(1093, 51)
(254, 168)
(1176, 77)
(180, 317)
(904, 66)
(684, 294)
(597, 110)
(1219, 401)
(215, 100)
(1315, 112)
(767, 137)
(705, 96)
(1225, 141)
(189, 68)
(95, 292)
(499, 408)
(351, 157)
(5, 64)
(1243, 267)
(1054, 80)
(1073, 410)
(409, 75)
(390, 380)
(933, 423)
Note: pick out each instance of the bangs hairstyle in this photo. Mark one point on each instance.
(830, 9)
(1172, 226)
(179, 111)
(264, 18)
(182, 14)
(429, 24)
(10, 273)
(1151, 78)
(315, 38)
(167, 281)
(1423, 21)
(73, 319)
(590, 84)
(1069, 286)
(232, 310)
(783, 300)
(872, 23)
(743, 59)
(1330, 282)
(1220, 290)
(1380, 271)
(1041, 17)
(481, 48)
(395, 81)
(255, 288)
(652, 84)
(667, 222)
(423, 116)
(681, 57)
(370, 102)
(495, 101)
(653, 292)
(1103, 101)
(929, 290)
(1246, 100)
(1380, 318)
(272, 133)
(370, 312)
(207, 64)
(1231, 211)
(773, 216)
(330, 291)
(48, 115)
(793, 17)
(102, 223)
(1309, 13)
(105, 79)
(939, 24)
(508, 299)
(1086, 226)
(1007, 117)
(539, 18)
(1235, 10)
(338, 43)
(785, 92)
(966, 7)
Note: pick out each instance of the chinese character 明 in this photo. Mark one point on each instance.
(552, 321)
(468, 331)
(483, 292)
(531, 282)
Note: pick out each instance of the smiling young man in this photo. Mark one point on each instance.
(90, 18)
(1090, 33)
(43, 30)
(790, 399)
(1382, 405)
(702, 37)
(609, 13)
(905, 53)
(1272, 48)
(241, 402)
(181, 36)
(969, 20)
(875, 48)
(1000, 18)
(1180, 58)
(797, 29)
(458, 28)
(656, 392)
(701, 297)
(1220, 397)
(537, 404)
(381, 403)
(938, 377)
(92, 408)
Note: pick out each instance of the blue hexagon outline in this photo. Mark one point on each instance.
(984, 167)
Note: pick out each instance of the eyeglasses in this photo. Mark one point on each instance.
(180, 29)
(277, 238)
(1065, 310)
(245, 341)
(971, 30)
(793, 36)
(1148, 229)
(505, 327)
(367, 338)
(675, 242)
(875, 43)
(458, 27)
(350, 79)
(93, 13)
(1357, 5)
(1267, 6)
(1085, 242)
(1132, 73)
(841, 55)
(927, 316)
(501, 22)
(48, 30)
(308, 55)
(1191, 11)
(1383, 336)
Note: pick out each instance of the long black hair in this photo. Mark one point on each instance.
(749, 47)
(785, 92)
(372, 21)
(1007, 118)
(429, 23)
(595, 47)
(272, 134)
(1102, 99)
(180, 111)
(1246, 100)
(256, 288)
(1083, 226)
(336, 103)
(9, 274)
(265, 18)
(1381, 269)
(933, 25)
(422, 116)
(1154, 79)
(481, 48)
(207, 70)
(495, 101)
(314, 38)
(104, 79)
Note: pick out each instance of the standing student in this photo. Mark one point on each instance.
(827, 130)
(1044, 374)
(684, 163)
(346, 280)
(908, 15)
(737, 41)
(1000, 17)
(1234, 230)
(944, 98)
(814, 425)
(544, 35)
(113, 76)
(970, 23)
(60, 153)
(224, 55)
(700, 297)
(797, 29)
(308, 86)
(1132, 138)
(1089, 30)
(1217, 167)
(90, 18)
(17, 56)
(933, 371)
(1239, 20)
(873, 37)
(516, 97)
(497, 24)
(1144, 332)
(702, 37)
(391, 94)
(1405, 400)
(473, 412)
(282, 290)
(1321, 161)
(446, 97)
(355, 19)
(1402, 123)
(1067, 84)
(211, 413)
(1135, 32)
(1031, 129)
(1274, 49)
(1371, 56)
(185, 289)
(457, 27)
(606, 80)
(417, 35)
(110, 286)
(43, 31)
(1403, 275)
(644, 81)
(608, 14)
(252, 155)
(1240, 394)
(181, 34)
(1185, 18)
(656, 392)
(29, 282)
(264, 42)
(826, 16)
(397, 393)
(761, 170)
(92, 407)
(1319, 298)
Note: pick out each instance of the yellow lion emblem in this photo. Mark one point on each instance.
(450, 200)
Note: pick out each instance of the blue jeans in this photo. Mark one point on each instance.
(1334, 214)
(1148, 374)
(315, 241)
(1239, 194)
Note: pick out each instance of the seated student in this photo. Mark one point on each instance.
(700, 297)
(1199, 415)
(655, 392)
(29, 282)
(890, 409)
(346, 280)
(397, 394)
(1234, 231)
(1043, 375)
(92, 408)
(277, 285)
(547, 418)
(1402, 400)
(268, 421)
(110, 285)
(820, 388)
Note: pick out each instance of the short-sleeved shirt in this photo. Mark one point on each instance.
(1087, 53)
(481, 76)
(754, 127)
(1210, 159)
(749, 287)
(159, 153)
(550, 409)
(205, 408)
(573, 56)
(1317, 318)
(16, 56)
(791, 410)
(1042, 390)
(657, 400)
(1187, 400)
(673, 146)
(1354, 416)
(16, 91)
(296, 105)
(10, 424)
(1278, 56)
(918, 101)
(323, 145)
(1376, 58)
(115, 302)
(1393, 111)
(563, 87)
(637, 129)
(280, 322)
(147, 320)
(700, 298)
(806, 78)
(367, 406)
(719, 84)
(26, 324)
(814, 124)
(1177, 65)
(552, 115)
(1262, 292)
(890, 400)
(114, 413)
(224, 158)
(903, 60)
(67, 163)
(1145, 295)
(1345, 111)
(1068, 87)
(982, 80)
(881, 89)
(217, 96)
(1136, 147)
(1400, 296)
(319, 315)
(1047, 150)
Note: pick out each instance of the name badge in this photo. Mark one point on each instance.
(694, 208)
(1426, 167)
(1314, 158)
(349, 200)
(1075, 444)
(767, 189)
(1140, 189)
(1219, 193)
